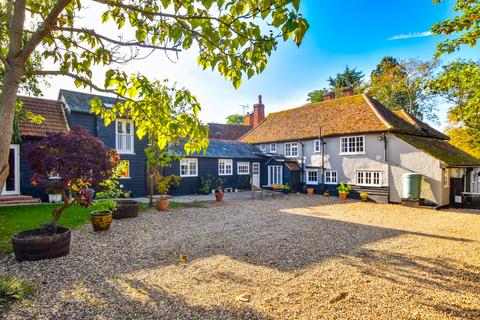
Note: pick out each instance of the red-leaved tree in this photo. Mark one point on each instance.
(79, 161)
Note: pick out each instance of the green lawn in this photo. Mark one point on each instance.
(14, 219)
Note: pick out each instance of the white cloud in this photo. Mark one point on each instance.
(411, 35)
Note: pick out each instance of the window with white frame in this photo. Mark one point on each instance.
(225, 167)
(275, 175)
(189, 167)
(352, 145)
(124, 136)
(243, 168)
(331, 177)
(273, 147)
(125, 165)
(369, 178)
(317, 145)
(291, 149)
(263, 147)
(311, 177)
(446, 178)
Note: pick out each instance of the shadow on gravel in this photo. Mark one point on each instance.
(443, 276)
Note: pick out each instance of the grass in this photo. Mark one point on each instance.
(14, 289)
(14, 219)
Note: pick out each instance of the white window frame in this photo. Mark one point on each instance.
(278, 172)
(307, 176)
(128, 176)
(273, 147)
(317, 145)
(329, 177)
(263, 147)
(348, 140)
(445, 178)
(130, 136)
(223, 165)
(244, 165)
(188, 162)
(289, 147)
(368, 175)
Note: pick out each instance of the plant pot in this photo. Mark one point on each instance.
(101, 221)
(219, 196)
(285, 191)
(54, 197)
(310, 190)
(34, 245)
(126, 209)
(162, 204)
(326, 194)
(342, 196)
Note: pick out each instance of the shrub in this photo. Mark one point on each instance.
(14, 289)
(165, 183)
(80, 160)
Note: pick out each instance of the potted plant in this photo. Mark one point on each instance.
(310, 190)
(101, 216)
(344, 190)
(78, 173)
(219, 190)
(326, 193)
(286, 188)
(163, 185)
(364, 196)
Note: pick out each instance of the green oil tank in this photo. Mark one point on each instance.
(411, 185)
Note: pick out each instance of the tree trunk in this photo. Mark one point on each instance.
(14, 70)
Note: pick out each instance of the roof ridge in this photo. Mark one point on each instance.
(88, 94)
(377, 113)
(37, 98)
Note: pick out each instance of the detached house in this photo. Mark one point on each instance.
(357, 140)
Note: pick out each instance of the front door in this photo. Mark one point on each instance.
(275, 175)
(12, 185)
(256, 174)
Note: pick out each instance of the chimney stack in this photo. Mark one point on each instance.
(328, 96)
(347, 91)
(258, 112)
(248, 120)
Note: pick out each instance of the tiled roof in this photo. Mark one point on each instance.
(347, 115)
(441, 150)
(227, 131)
(225, 149)
(51, 110)
(80, 101)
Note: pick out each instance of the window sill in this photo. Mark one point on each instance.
(312, 183)
(226, 174)
(189, 176)
(243, 174)
(351, 153)
(292, 156)
(331, 183)
(124, 178)
(125, 152)
(369, 185)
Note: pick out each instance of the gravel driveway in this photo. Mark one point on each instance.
(297, 257)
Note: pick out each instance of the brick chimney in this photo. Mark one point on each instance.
(347, 91)
(328, 96)
(258, 112)
(248, 120)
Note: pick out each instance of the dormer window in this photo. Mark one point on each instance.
(124, 136)
(263, 147)
(273, 147)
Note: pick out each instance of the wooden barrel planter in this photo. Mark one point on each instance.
(34, 244)
(126, 209)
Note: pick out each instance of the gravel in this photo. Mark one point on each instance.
(295, 257)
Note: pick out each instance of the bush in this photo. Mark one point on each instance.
(14, 289)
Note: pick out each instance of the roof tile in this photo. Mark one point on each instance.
(51, 110)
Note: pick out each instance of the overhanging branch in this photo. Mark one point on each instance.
(93, 33)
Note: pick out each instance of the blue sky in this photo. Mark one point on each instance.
(357, 33)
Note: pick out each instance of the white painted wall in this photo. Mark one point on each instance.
(409, 159)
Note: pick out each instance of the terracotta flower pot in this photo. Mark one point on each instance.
(101, 221)
(34, 245)
(342, 196)
(162, 204)
(219, 196)
(310, 190)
